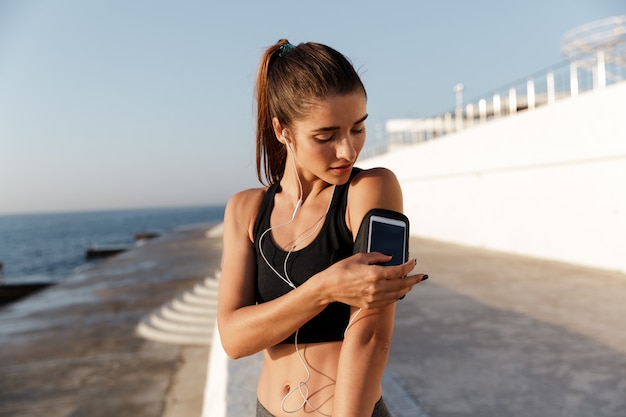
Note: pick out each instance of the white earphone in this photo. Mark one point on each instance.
(299, 202)
(286, 141)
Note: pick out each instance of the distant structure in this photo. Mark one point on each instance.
(599, 37)
(595, 57)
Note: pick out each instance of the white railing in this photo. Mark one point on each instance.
(599, 65)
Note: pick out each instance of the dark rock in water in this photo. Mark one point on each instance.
(13, 292)
(103, 251)
(146, 235)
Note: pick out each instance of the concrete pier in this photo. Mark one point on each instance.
(489, 334)
(72, 349)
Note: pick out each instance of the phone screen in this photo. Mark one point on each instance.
(388, 236)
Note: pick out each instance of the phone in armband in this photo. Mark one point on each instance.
(384, 231)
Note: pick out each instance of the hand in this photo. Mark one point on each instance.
(358, 280)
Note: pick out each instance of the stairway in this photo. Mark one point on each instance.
(188, 319)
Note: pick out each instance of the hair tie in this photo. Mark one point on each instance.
(285, 48)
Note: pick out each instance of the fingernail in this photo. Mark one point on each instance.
(425, 277)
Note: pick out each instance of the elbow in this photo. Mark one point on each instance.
(382, 345)
(232, 350)
(231, 344)
(375, 341)
(378, 348)
(227, 347)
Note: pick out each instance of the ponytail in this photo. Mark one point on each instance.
(270, 154)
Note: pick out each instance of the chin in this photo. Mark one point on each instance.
(338, 179)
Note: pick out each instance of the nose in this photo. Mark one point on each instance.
(346, 149)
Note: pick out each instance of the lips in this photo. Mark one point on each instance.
(341, 170)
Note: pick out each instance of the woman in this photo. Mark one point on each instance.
(290, 285)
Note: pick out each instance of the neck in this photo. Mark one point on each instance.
(310, 189)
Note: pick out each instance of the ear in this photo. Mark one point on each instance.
(278, 130)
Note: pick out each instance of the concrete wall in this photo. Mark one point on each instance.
(549, 183)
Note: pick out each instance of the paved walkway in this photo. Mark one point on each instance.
(493, 334)
(489, 334)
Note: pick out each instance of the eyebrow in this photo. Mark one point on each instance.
(331, 128)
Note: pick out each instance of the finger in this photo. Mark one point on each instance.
(391, 287)
(392, 290)
(377, 258)
(399, 271)
(415, 278)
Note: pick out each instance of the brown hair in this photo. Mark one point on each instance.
(290, 80)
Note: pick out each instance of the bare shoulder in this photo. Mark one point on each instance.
(372, 188)
(376, 185)
(243, 199)
(242, 209)
(374, 176)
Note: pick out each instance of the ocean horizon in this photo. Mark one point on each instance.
(50, 247)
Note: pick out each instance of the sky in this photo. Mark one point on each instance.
(115, 104)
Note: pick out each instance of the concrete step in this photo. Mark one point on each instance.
(176, 315)
(199, 300)
(187, 319)
(178, 326)
(147, 330)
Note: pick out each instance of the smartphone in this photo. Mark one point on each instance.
(389, 235)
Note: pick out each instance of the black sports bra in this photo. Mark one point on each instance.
(333, 243)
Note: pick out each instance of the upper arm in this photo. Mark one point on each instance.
(373, 188)
(238, 255)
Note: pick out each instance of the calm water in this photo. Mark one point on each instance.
(50, 247)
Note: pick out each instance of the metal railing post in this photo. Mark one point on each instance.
(550, 87)
(573, 79)
(530, 94)
(496, 105)
(512, 101)
(601, 71)
(482, 109)
(458, 116)
(469, 110)
(447, 119)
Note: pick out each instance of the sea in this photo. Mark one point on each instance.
(48, 248)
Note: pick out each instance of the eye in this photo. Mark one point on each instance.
(324, 138)
(358, 129)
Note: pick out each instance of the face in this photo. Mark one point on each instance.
(327, 142)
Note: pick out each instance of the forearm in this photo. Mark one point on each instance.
(362, 363)
(250, 329)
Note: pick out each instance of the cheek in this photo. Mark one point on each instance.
(310, 156)
(359, 143)
(326, 153)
